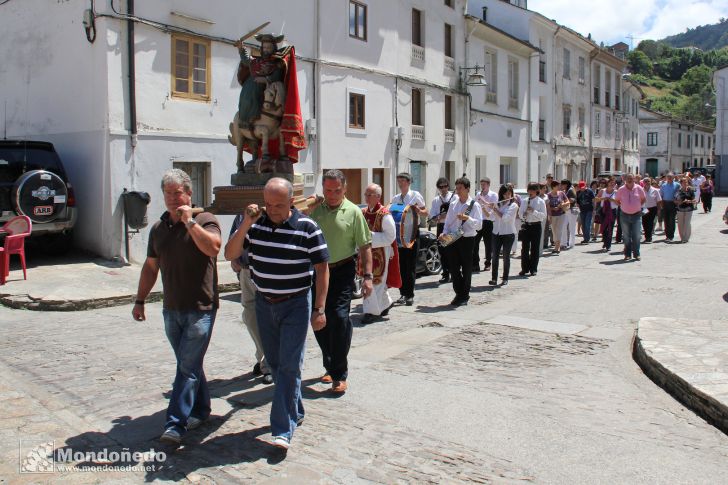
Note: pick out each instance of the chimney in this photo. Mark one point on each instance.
(485, 14)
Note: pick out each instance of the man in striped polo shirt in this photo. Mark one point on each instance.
(284, 249)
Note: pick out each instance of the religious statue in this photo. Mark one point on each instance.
(268, 123)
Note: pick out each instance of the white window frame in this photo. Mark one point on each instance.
(491, 75)
(513, 83)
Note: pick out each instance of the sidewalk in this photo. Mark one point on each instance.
(81, 282)
(689, 359)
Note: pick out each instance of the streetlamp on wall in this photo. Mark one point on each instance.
(477, 78)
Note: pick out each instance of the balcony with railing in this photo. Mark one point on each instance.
(491, 98)
(449, 63)
(449, 135)
(418, 53)
(418, 132)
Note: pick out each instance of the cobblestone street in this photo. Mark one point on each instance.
(533, 383)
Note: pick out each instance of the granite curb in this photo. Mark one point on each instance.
(28, 302)
(664, 369)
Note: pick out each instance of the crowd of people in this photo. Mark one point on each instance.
(298, 268)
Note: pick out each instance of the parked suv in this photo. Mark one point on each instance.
(618, 175)
(33, 183)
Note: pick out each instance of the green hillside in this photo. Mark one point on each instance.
(704, 37)
(677, 81)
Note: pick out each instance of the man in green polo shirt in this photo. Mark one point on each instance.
(345, 231)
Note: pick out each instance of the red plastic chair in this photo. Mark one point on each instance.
(15, 244)
(18, 225)
(18, 228)
(2, 266)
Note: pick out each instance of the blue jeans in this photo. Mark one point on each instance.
(189, 333)
(631, 232)
(283, 328)
(586, 224)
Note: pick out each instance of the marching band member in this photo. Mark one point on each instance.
(484, 197)
(438, 212)
(463, 220)
(532, 213)
(408, 256)
(504, 231)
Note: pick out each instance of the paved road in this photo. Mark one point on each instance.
(529, 383)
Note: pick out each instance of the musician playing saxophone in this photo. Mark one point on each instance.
(463, 221)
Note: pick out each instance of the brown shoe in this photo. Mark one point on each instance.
(326, 379)
(339, 387)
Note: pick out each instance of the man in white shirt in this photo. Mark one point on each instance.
(484, 198)
(438, 211)
(408, 256)
(532, 213)
(381, 225)
(464, 215)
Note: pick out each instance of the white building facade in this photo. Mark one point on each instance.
(378, 86)
(672, 145)
(607, 130)
(499, 121)
(720, 85)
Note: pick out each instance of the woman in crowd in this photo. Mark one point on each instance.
(653, 199)
(706, 193)
(608, 211)
(597, 187)
(556, 206)
(685, 199)
(571, 214)
(504, 232)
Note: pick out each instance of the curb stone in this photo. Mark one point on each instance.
(27, 302)
(710, 409)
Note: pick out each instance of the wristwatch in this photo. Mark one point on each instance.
(319, 310)
(190, 223)
(368, 276)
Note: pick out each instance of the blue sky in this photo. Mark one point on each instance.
(613, 21)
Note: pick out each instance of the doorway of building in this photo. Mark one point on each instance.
(353, 184)
(651, 167)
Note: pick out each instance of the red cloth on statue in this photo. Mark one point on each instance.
(292, 124)
(291, 127)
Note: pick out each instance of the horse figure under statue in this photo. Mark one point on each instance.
(260, 132)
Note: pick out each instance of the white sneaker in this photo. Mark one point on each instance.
(280, 442)
(171, 436)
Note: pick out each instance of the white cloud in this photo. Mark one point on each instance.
(610, 21)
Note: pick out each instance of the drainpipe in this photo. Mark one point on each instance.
(132, 74)
(466, 127)
(317, 165)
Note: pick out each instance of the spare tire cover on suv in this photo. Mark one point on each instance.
(40, 195)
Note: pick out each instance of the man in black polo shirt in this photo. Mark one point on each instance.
(284, 249)
(185, 250)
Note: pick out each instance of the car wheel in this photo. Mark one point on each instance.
(433, 263)
(357, 287)
(40, 195)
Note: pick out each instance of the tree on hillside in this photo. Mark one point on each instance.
(694, 108)
(696, 80)
(639, 63)
(654, 49)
